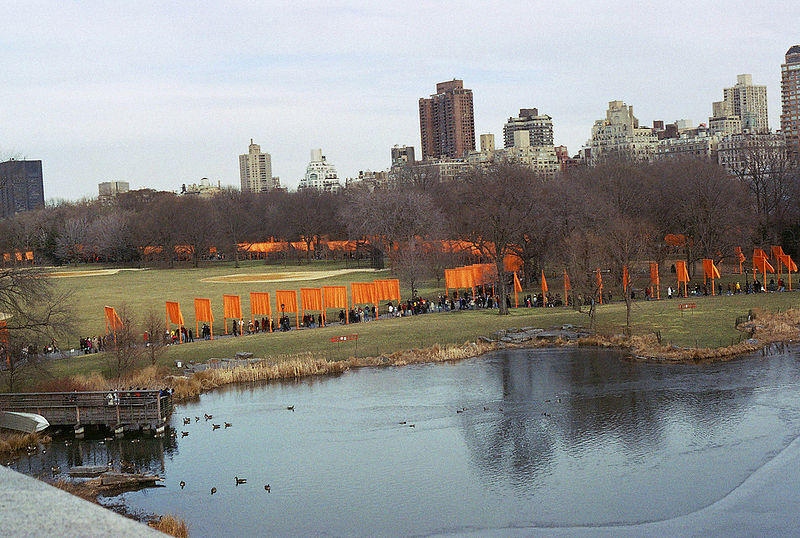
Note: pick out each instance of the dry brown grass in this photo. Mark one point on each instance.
(286, 367)
(766, 328)
(11, 443)
(171, 525)
(147, 377)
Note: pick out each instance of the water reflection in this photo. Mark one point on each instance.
(545, 437)
(131, 453)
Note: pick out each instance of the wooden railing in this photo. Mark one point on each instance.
(110, 408)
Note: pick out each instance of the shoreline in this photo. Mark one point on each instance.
(766, 329)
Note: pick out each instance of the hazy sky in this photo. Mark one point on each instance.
(164, 93)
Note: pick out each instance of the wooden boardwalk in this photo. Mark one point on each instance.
(129, 408)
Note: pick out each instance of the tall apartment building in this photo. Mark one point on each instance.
(255, 170)
(446, 122)
(320, 174)
(747, 101)
(539, 127)
(790, 99)
(619, 136)
(21, 187)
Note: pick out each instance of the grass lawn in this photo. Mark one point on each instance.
(710, 324)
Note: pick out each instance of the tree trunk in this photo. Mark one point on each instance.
(236, 255)
(502, 286)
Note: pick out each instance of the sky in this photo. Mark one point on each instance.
(164, 93)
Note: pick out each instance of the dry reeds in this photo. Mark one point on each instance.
(171, 525)
(285, 367)
(11, 443)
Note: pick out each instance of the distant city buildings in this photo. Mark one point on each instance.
(108, 190)
(748, 102)
(446, 122)
(402, 155)
(21, 187)
(203, 189)
(539, 127)
(320, 174)
(790, 99)
(619, 136)
(255, 170)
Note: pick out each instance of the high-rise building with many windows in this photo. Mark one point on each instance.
(255, 170)
(746, 100)
(446, 122)
(790, 99)
(539, 127)
(21, 187)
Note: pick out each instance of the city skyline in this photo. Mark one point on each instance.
(159, 98)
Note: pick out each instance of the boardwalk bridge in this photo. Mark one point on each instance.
(115, 409)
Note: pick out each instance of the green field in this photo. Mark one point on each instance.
(710, 324)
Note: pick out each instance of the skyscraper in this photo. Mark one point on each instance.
(21, 187)
(255, 170)
(747, 101)
(790, 99)
(446, 121)
(539, 127)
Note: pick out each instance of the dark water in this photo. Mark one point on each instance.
(617, 442)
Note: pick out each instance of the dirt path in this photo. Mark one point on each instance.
(285, 276)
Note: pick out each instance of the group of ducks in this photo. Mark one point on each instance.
(207, 417)
(188, 420)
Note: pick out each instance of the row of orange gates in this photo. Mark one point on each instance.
(481, 274)
(311, 300)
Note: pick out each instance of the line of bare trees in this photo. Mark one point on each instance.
(604, 216)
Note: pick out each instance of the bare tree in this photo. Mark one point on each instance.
(490, 209)
(125, 344)
(154, 326)
(33, 316)
(234, 210)
(411, 263)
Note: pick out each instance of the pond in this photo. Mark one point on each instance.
(516, 438)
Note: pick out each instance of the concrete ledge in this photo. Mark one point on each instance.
(29, 507)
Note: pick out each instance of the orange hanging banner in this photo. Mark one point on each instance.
(544, 289)
(202, 312)
(260, 306)
(567, 287)
(710, 271)
(761, 264)
(311, 299)
(175, 316)
(790, 267)
(113, 323)
(683, 276)
(626, 279)
(600, 285)
(286, 301)
(336, 297)
(232, 307)
(740, 258)
(387, 290)
(365, 293)
(517, 289)
(654, 280)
